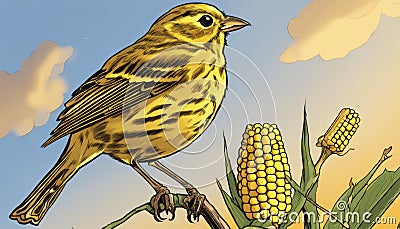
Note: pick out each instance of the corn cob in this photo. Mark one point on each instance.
(262, 171)
(340, 132)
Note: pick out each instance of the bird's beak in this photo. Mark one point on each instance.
(233, 23)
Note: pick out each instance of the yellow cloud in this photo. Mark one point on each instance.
(331, 29)
(28, 96)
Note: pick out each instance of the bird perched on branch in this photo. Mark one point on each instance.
(148, 101)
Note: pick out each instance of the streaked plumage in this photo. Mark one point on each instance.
(148, 101)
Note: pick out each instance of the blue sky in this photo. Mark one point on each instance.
(104, 190)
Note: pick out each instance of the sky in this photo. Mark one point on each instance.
(294, 52)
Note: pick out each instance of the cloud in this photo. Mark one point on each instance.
(332, 29)
(28, 96)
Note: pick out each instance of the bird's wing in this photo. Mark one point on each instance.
(104, 95)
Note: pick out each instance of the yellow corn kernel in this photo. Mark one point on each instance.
(281, 197)
(280, 189)
(286, 166)
(278, 166)
(261, 174)
(259, 160)
(258, 153)
(255, 208)
(269, 163)
(252, 185)
(262, 198)
(271, 178)
(282, 206)
(251, 170)
(253, 200)
(261, 167)
(250, 148)
(261, 189)
(261, 181)
(280, 182)
(256, 215)
(271, 194)
(273, 202)
(245, 198)
(265, 140)
(265, 205)
(280, 174)
(246, 207)
(250, 157)
(270, 170)
(251, 177)
(271, 135)
(253, 193)
(258, 145)
(275, 152)
(274, 210)
(250, 141)
(271, 186)
(267, 156)
(251, 133)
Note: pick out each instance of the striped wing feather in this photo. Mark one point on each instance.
(99, 98)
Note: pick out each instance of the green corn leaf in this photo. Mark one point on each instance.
(236, 212)
(361, 187)
(264, 223)
(355, 198)
(380, 194)
(308, 171)
(353, 195)
(232, 180)
(308, 174)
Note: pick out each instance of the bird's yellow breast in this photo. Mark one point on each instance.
(175, 119)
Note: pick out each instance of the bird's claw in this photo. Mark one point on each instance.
(194, 203)
(164, 197)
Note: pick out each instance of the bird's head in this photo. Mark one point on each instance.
(197, 22)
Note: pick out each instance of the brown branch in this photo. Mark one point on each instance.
(212, 216)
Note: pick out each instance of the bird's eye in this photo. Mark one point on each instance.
(206, 21)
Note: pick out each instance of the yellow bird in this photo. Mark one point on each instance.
(148, 101)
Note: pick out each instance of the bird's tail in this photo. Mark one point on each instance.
(35, 206)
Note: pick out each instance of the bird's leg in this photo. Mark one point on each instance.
(162, 195)
(194, 201)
